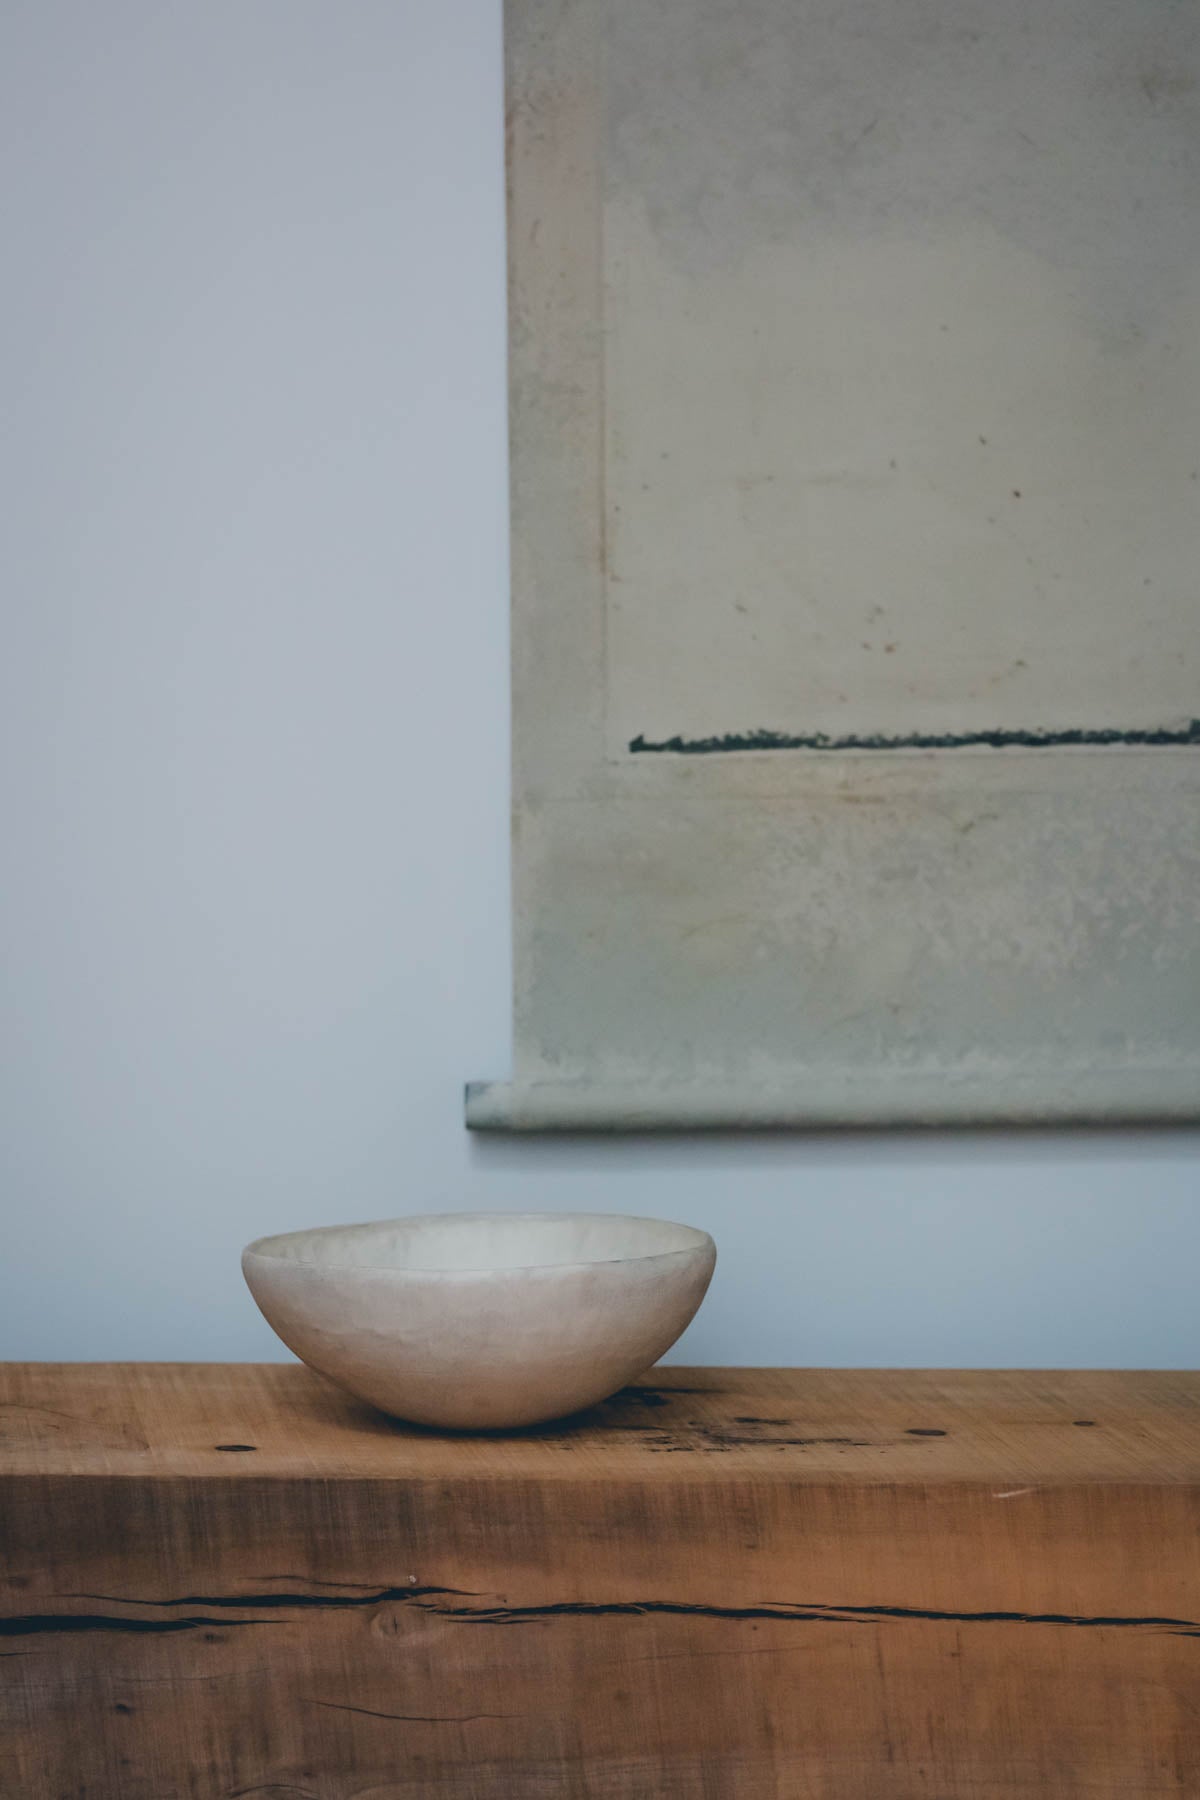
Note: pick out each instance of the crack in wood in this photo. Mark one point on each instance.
(799, 1613)
(368, 1597)
(434, 1600)
(274, 1790)
(32, 1624)
(369, 1712)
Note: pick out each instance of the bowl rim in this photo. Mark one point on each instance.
(260, 1247)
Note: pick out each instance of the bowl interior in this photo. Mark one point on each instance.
(461, 1241)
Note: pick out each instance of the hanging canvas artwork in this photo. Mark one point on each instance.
(855, 420)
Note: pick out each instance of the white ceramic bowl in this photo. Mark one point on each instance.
(482, 1321)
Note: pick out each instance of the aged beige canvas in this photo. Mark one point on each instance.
(855, 418)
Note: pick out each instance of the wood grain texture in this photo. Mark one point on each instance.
(226, 1581)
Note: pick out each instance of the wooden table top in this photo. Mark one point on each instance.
(1018, 1429)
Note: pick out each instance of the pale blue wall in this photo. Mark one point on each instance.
(254, 912)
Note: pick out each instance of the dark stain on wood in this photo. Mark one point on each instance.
(655, 1396)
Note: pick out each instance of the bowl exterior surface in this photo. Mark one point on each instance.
(482, 1349)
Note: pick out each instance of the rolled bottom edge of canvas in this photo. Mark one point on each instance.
(825, 1100)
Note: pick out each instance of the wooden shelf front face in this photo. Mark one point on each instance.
(833, 1585)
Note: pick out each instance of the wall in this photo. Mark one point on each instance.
(253, 779)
